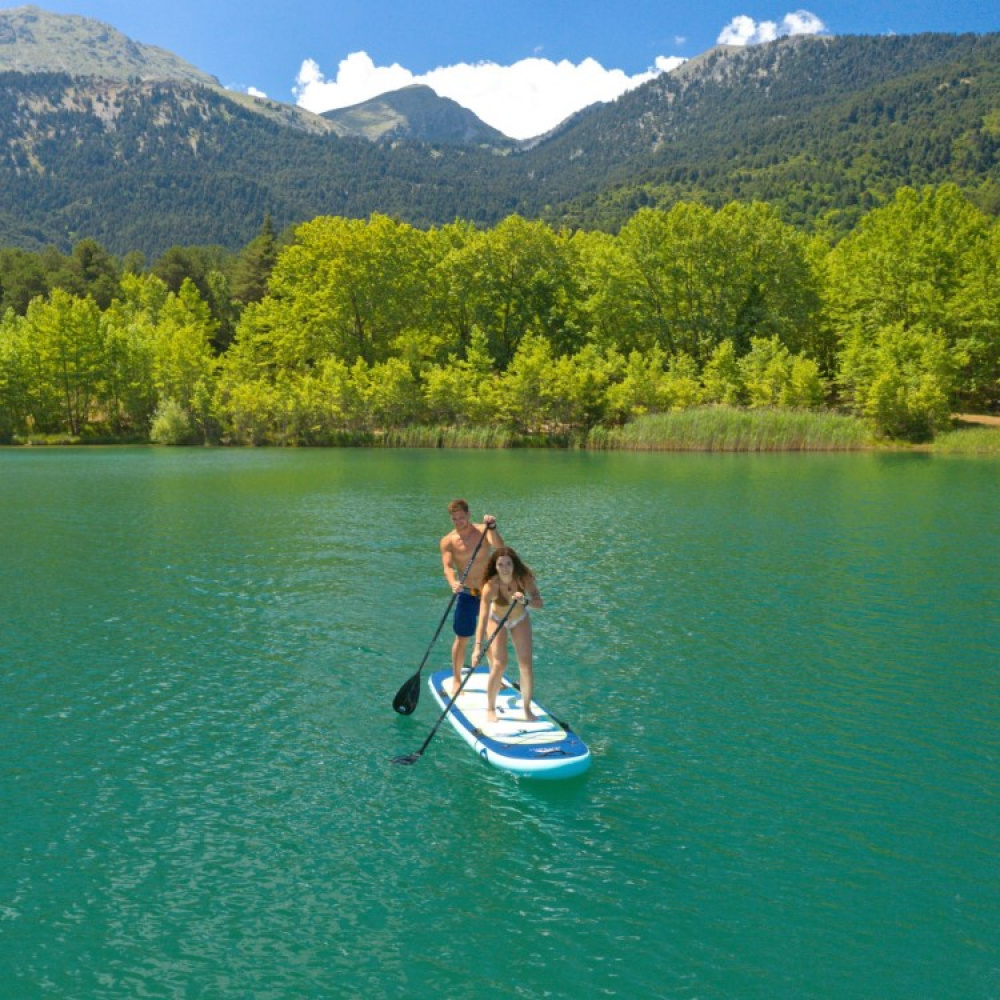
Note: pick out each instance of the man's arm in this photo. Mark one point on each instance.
(448, 564)
(493, 537)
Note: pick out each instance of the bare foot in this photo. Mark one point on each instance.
(491, 715)
(528, 717)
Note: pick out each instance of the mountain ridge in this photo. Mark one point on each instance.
(822, 127)
(33, 40)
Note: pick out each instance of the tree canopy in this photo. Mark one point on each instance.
(368, 325)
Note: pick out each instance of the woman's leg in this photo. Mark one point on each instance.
(523, 648)
(498, 664)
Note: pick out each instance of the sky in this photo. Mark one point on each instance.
(522, 66)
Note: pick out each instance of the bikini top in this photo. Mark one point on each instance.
(499, 602)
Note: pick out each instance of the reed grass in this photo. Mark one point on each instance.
(447, 437)
(724, 428)
(971, 441)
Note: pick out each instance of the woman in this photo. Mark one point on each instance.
(507, 582)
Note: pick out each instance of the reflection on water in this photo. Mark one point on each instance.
(785, 667)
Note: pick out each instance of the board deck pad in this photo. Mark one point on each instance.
(542, 748)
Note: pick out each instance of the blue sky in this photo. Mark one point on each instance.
(522, 65)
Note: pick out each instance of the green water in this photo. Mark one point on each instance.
(785, 665)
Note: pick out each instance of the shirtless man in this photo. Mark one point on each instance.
(457, 548)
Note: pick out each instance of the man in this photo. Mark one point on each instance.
(467, 543)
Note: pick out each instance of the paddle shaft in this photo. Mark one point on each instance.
(414, 757)
(454, 596)
(401, 699)
(551, 715)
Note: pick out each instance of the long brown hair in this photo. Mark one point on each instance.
(522, 572)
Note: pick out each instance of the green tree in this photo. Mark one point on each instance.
(905, 263)
(612, 295)
(975, 312)
(722, 376)
(67, 331)
(451, 277)
(916, 265)
(770, 286)
(206, 268)
(579, 387)
(184, 365)
(252, 268)
(345, 288)
(518, 279)
(461, 392)
(665, 279)
(20, 375)
(388, 393)
(249, 411)
(901, 380)
(171, 424)
(129, 330)
(96, 271)
(766, 371)
(687, 279)
(22, 278)
(682, 386)
(524, 398)
(642, 387)
(806, 387)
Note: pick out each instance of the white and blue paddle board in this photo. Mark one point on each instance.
(540, 749)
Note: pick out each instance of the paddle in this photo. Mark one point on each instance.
(412, 758)
(408, 695)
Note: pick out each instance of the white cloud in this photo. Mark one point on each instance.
(529, 97)
(254, 92)
(522, 100)
(745, 30)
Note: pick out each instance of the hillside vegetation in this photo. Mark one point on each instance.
(824, 129)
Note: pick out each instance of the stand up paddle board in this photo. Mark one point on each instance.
(540, 749)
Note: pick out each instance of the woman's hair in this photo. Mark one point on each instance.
(522, 572)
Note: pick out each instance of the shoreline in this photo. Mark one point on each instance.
(720, 429)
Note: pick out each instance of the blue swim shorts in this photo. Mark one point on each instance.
(466, 613)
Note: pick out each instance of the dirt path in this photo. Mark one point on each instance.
(977, 418)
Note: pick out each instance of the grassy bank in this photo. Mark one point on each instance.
(447, 437)
(714, 428)
(968, 441)
(723, 428)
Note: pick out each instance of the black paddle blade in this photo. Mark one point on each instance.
(407, 696)
(406, 758)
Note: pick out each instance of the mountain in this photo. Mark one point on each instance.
(417, 113)
(824, 128)
(35, 41)
(818, 124)
(149, 165)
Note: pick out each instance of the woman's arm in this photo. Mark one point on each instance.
(489, 591)
(532, 593)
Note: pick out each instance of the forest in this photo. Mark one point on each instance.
(343, 329)
(822, 129)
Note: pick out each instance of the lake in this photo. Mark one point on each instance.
(785, 666)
